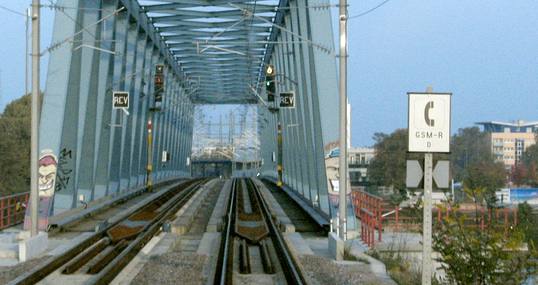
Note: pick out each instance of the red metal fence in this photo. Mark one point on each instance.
(12, 209)
(398, 219)
(377, 215)
(368, 208)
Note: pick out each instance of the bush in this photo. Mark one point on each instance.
(472, 255)
(400, 268)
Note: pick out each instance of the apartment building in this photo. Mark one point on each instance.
(510, 140)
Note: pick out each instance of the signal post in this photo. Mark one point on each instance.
(429, 132)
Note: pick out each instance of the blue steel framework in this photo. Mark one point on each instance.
(305, 62)
(106, 46)
(214, 52)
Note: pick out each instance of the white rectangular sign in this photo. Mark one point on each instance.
(429, 122)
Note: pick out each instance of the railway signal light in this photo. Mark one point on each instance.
(159, 83)
(270, 83)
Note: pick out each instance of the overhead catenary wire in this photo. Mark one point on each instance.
(72, 37)
(274, 25)
(59, 7)
(369, 10)
(13, 11)
(78, 23)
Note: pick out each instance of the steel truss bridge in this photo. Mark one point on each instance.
(213, 52)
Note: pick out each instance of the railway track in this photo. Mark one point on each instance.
(251, 242)
(99, 258)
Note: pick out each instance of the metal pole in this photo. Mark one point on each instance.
(343, 118)
(149, 169)
(452, 189)
(34, 189)
(27, 52)
(427, 224)
(279, 152)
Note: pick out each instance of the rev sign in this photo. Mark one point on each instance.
(429, 122)
(120, 100)
(287, 99)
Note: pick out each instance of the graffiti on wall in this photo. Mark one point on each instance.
(48, 165)
(47, 174)
(64, 171)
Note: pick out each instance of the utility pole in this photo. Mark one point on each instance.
(26, 50)
(343, 120)
(34, 188)
(279, 166)
(1, 87)
(149, 168)
(220, 130)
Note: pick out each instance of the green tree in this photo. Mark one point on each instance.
(468, 146)
(531, 154)
(520, 174)
(528, 223)
(387, 168)
(488, 176)
(530, 160)
(471, 161)
(470, 254)
(15, 147)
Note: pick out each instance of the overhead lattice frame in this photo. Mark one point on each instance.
(214, 52)
(220, 45)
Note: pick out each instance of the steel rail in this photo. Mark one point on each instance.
(227, 241)
(111, 270)
(54, 263)
(289, 266)
(291, 270)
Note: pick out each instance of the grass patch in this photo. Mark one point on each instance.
(350, 257)
(399, 267)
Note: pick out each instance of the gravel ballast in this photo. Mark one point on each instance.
(173, 268)
(8, 273)
(321, 270)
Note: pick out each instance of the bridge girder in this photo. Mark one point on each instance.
(185, 25)
(214, 52)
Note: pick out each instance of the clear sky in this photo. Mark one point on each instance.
(484, 52)
(12, 48)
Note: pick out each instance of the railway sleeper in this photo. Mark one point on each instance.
(244, 257)
(108, 255)
(86, 256)
(268, 266)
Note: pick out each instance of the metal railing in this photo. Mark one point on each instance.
(368, 208)
(375, 214)
(12, 209)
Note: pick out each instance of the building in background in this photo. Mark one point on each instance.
(510, 140)
(359, 159)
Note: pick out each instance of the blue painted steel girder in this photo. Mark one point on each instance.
(213, 52)
(101, 151)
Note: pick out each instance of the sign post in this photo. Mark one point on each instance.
(427, 220)
(149, 168)
(429, 132)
